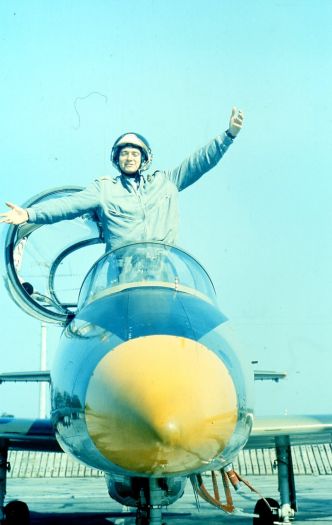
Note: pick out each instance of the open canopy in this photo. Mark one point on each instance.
(44, 265)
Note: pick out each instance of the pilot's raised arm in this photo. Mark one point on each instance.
(207, 157)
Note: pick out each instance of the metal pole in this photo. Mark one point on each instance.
(43, 362)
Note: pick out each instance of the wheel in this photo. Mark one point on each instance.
(266, 515)
(17, 513)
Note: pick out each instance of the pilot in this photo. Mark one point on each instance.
(133, 205)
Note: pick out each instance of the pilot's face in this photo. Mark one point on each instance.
(130, 160)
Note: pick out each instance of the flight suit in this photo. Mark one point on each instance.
(135, 210)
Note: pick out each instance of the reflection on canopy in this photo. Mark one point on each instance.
(146, 264)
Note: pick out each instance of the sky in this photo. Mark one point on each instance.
(76, 74)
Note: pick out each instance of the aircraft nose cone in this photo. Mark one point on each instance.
(161, 404)
(170, 433)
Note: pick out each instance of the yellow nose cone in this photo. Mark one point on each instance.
(161, 405)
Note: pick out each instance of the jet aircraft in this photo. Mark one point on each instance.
(147, 384)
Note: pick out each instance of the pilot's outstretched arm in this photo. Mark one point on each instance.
(55, 210)
(206, 158)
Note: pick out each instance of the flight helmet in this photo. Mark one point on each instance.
(132, 139)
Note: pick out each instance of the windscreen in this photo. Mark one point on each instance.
(146, 264)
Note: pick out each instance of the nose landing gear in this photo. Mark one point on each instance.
(149, 516)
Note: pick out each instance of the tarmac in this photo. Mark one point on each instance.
(85, 501)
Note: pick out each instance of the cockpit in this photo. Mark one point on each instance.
(146, 265)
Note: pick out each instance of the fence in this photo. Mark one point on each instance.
(307, 460)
